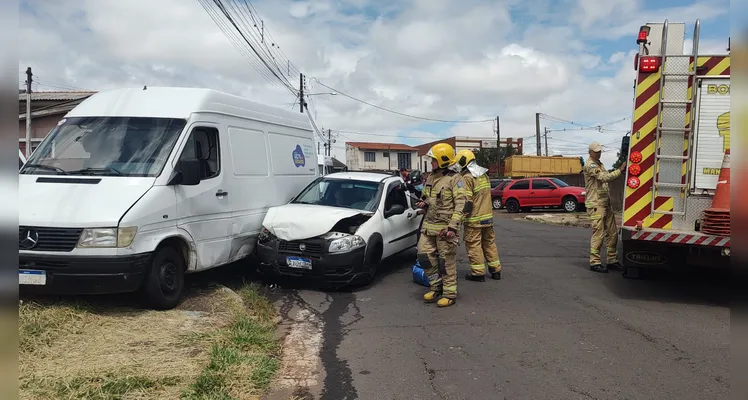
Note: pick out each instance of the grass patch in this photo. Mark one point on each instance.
(244, 356)
(226, 350)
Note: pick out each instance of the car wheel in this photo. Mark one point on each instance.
(164, 283)
(496, 203)
(570, 204)
(371, 261)
(512, 206)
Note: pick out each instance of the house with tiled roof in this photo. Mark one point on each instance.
(47, 109)
(370, 156)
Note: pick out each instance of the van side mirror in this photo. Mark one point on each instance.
(395, 209)
(186, 173)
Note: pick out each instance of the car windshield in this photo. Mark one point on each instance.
(503, 184)
(346, 193)
(112, 146)
(559, 182)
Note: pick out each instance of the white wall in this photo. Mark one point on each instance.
(356, 159)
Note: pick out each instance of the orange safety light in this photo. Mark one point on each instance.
(635, 169)
(633, 182)
(635, 157)
(649, 63)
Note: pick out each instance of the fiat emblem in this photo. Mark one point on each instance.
(302, 247)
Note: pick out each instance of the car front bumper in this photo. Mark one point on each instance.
(327, 268)
(85, 275)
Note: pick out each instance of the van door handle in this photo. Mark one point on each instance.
(221, 193)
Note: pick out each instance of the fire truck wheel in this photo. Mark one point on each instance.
(633, 272)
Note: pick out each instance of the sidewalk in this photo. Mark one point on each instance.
(568, 219)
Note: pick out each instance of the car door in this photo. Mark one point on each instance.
(521, 190)
(203, 210)
(400, 230)
(544, 193)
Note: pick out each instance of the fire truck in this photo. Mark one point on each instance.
(679, 144)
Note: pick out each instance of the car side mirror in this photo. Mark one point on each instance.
(395, 209)
(186, 173)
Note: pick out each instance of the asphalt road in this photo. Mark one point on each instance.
(550, 329)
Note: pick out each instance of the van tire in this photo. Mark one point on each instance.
(164, 282)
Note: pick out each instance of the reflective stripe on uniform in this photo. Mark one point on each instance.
(435, 226)
(479, 218)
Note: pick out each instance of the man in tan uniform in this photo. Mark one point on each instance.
(443, 197)
(601, 214)
(480, 239)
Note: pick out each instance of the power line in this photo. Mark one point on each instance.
(400, 113)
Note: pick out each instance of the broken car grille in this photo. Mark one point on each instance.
(301, 247)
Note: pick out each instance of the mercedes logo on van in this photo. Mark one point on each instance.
(302, 247)
(28, 239)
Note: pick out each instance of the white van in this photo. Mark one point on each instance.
(21, 159)
(135, 187)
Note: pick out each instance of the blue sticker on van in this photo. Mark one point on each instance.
(298, 157)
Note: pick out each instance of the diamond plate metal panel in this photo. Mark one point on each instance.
(694, 211)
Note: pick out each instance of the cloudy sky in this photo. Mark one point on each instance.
(449, 60)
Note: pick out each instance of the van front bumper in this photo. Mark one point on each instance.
(327, 268)
(86, 275)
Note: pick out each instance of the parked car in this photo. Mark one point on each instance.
(529, 193)
(497, 194)
(135, 188)
(339, 229)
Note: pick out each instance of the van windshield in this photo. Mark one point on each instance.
(110, 146)
(346, 193)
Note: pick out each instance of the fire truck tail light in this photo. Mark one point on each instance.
(649, 63)
(635, 157)
(635, 169)
(633, 182)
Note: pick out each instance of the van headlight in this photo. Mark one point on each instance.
(346, 244)
(107, 237)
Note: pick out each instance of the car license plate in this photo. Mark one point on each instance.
(299, 263)
(32, 277)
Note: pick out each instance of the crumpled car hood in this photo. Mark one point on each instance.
(304, 221)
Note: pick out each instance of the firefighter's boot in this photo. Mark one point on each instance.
(475, 278)
(599, 268)
(616, 266)
(496, 275)
(432, 296)
(445, 302)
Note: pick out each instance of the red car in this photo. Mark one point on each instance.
(497, 193)
(529, 193)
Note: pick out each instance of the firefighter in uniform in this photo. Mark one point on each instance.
(598, 206)
(480, 239)
(444, 199)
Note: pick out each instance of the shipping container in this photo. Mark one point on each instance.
(529, 166)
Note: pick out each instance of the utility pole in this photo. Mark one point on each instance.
(537, 132)
(329, 143)
(29, 78)
(498, 147)
(301, 93)
(545, 136)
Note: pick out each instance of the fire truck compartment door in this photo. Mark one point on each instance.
(712, 137)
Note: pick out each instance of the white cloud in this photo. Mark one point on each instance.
(434, 58)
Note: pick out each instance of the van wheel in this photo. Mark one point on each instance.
(512, 206)
(164, 283)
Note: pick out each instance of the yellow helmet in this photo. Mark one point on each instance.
(443, 153)
(465, 157)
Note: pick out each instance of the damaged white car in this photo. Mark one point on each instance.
(339, 228)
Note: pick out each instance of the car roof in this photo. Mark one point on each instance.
(361, 176)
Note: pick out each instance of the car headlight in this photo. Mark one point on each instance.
(346, 244)
(265, 235)
(107, 237)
